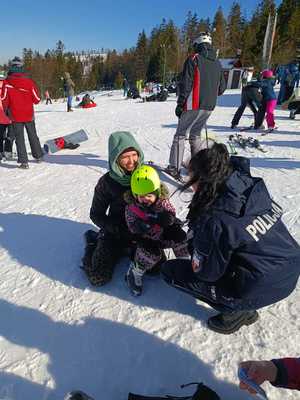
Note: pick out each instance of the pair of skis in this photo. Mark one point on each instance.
(262, 131)
(246, 143)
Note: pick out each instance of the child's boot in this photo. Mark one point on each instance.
(134, 279)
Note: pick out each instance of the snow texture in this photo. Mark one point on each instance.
(57, 333)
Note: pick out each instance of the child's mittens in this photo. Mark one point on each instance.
(141, 227)
(163, 218)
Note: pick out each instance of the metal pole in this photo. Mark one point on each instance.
(165, 57)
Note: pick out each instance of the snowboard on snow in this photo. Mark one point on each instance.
(70, 141)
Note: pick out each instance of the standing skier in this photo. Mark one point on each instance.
(47, 97)
(268, 102)
(201, 83)
(19, 94)
(69, 90)
(251, 97)
(243, 257)
(125, 87)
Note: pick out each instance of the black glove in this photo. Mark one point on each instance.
(175, 233)
(178, 110)
(141, 227)
(163, 218)
(112, 229)
(71, 146)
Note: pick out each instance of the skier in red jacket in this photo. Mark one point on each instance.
(19, 94)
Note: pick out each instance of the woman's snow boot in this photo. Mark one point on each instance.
(230, 322)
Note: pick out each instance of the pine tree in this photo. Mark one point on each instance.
(260, 19)
(27, 59)
(190, 31)
(235, 28)
(219, 34)
(141, 57)
(287, 31)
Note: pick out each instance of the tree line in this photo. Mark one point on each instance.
(159, 57)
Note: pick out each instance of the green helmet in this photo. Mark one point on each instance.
(145, 180)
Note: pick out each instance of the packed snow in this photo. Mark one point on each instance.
(58, 333)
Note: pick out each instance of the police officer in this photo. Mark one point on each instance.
(243, 257)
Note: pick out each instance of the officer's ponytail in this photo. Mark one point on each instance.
(208, 170)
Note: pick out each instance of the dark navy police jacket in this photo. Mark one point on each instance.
(243, 244)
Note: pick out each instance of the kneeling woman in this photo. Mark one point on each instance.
(243, 257)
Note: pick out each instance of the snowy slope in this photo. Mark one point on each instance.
(57, 333)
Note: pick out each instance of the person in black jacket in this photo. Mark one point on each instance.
(251, 97)
(104, 249)
(201, 82)
(243, 257)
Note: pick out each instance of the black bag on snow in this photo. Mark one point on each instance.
(203, 392)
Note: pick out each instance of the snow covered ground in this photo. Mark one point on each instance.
(57, 333)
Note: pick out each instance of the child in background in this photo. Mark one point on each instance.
(269, 97)
(5, 142)
(152, 219)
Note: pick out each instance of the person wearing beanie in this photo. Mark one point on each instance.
(151, 217)
(201, 83)
(105, 248)
(19, 94)
(268, 102)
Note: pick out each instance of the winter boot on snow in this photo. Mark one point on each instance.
(23, 166)
(134, 279)
(8, 155)
(77, 395)
(292, 114)
(90, 237)
(230, 322)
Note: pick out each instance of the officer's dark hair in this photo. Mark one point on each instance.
(208, 169)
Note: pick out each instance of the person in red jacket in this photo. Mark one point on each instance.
(284, 372)
(19, 94)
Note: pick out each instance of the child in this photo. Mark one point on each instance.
(151, 218)
(5, 142)
(269, 97)
(47, 97)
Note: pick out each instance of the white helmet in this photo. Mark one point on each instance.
(204, 37)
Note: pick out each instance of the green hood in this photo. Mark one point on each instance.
(117, 143)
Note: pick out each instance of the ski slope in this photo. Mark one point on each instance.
(57, 333)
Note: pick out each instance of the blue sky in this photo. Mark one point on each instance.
(93, 24)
